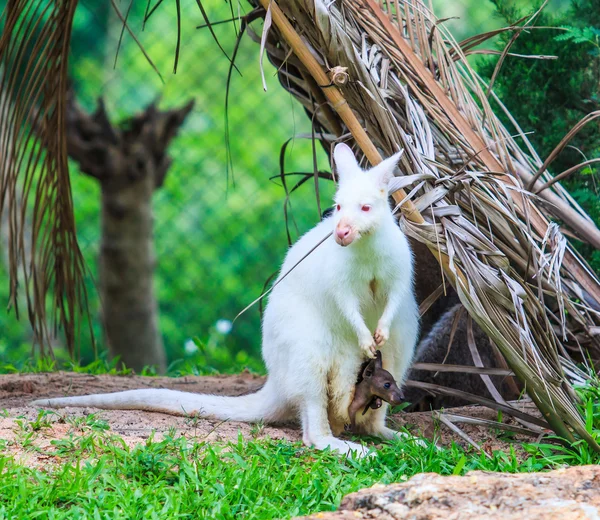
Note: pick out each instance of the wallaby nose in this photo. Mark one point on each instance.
(342, 231)
(396, 398)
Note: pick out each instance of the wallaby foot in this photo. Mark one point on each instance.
(347, 448)
(389, 434)
(376, 426)
(393, 435)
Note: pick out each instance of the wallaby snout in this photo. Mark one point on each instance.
(384, 386)
(395, 397)
(344, 233)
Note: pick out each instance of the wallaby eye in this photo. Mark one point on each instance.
(338, 207)
(387, 385)
(366, 207)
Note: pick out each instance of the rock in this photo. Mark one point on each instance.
(564, 494)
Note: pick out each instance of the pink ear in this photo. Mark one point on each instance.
(345, 162)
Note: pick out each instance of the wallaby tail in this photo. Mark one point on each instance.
(266, 404)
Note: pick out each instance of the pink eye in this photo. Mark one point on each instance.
(366, 207)
(338, 207)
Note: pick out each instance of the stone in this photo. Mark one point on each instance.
(563, 494)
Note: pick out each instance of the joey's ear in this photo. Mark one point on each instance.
(377, 361)
(369, 369)
(384, 171)
(345, 161)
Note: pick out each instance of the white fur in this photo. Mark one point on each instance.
(319, 323)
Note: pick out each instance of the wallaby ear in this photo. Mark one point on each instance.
(345, 161)
(384, 171)
(377, 361)
(369, 369)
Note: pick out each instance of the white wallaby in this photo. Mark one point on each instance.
(351, 295)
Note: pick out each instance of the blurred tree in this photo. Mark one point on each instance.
(130, 162)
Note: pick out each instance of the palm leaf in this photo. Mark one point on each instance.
(34, 49)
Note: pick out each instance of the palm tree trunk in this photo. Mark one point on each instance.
(126, 271)
(130, 162)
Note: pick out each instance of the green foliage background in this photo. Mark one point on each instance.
(219, 235)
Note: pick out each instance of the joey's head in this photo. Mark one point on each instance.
(381, 383)
(361, 201)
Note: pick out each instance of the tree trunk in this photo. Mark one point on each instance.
(126, 269)
(130, 162)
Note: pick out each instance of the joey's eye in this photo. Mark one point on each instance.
(338, 207)
(366, 207)
(387, 385)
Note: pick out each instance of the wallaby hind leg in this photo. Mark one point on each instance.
(316, 431)
(315, 424)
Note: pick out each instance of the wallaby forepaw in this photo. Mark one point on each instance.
(369, 347)
(369, 350)
(382, 334)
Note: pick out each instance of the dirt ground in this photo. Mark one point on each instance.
(17, 390)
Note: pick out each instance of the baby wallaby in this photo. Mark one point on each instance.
(374, 385)
(339, 302)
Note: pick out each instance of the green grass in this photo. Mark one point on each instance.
(96, 475)
(192, 366)
(181, 368)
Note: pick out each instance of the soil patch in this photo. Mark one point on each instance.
(18, 390)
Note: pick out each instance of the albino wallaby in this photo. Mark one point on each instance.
(352, 294)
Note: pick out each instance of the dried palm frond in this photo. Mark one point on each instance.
(388, 75)
(34, 47)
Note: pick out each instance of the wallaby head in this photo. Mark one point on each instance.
(374, 385)
(380, 382)
(361, 201)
